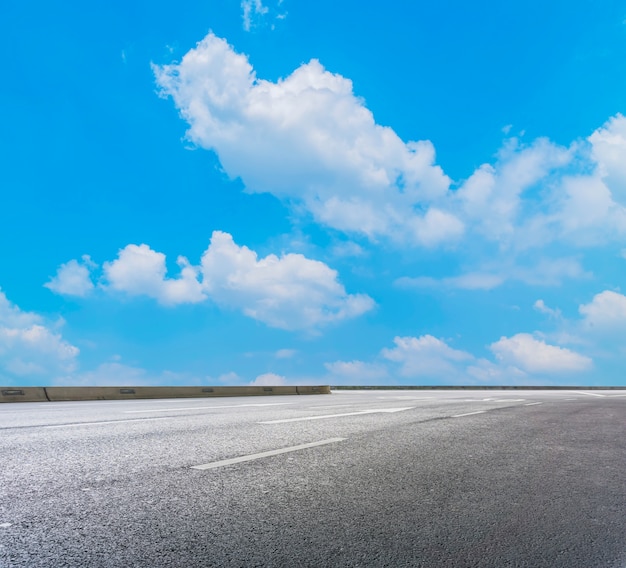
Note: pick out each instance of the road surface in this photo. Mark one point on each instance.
(357, 478)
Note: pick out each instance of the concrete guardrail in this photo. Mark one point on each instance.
(23, 394)
(58, 394)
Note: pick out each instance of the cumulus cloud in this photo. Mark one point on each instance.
(288, 292)
(30, 348)
(138, 270)
(269, 380)
(535, 356)
(73, 278)
(606, 311)
(609, 151)
(426, 356)
(493, 197)
(307, 138)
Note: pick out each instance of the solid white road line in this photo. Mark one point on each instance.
(468, 414)
(204, 407)
(589, 393)
(532, 403)
(260, 455)
(324, 416)
(103, 422)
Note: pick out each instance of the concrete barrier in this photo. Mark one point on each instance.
(123, 393)
(58, 394)
(23, 394)
(323, 389)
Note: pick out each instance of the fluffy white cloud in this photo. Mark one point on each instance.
(269, 380)
(28, 347)
(289, 292)
(607, 310)
(426, 356)
(73, 278)
(308, 138)
(535, 356)
(494, 197)
(139, 270)
(609, 152)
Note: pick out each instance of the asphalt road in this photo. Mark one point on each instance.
(371, 478)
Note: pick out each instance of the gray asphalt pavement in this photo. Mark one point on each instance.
(357, 478)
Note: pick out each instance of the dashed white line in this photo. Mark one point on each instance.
(260, 455)
(173, 409)
(78, 424)
(589, 393)
(468, 413)
(5, 525)
(532, 403)
(324, 416)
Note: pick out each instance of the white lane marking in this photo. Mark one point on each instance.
(324, 416)
(5, 525)
(260, 455)
(589, 393)
(404, 397)
(532, 403)
(204, 407)
(328, 406)
(468, 413)
(103, 422)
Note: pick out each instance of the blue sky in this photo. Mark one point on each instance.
(276, 192)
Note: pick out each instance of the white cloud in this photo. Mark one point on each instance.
(114, 373)
(73, 278)
(28, 347)
(139, 270)
(285, 353)
(494, 197)
(307, 138)
(607, 310)
(426, 356)
(269, 380)
(545, 272)
(289, 292)
(609, 152)
(356, 372)
(230, 378)
(540, 306)
(535, 356)
(252, 13)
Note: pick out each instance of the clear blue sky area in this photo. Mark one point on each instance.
(283, 192)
